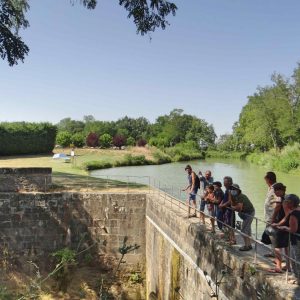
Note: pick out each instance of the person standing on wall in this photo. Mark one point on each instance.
(281, 237)
(192, 189)
(228, 213)
(205, 182)
(271, 202)
(241, 203)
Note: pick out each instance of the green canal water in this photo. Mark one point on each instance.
(172, 177)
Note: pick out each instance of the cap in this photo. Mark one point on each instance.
(235, 186)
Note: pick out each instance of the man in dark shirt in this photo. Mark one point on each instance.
(242, 204)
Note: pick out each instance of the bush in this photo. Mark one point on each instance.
(92, 140)
(97, 165)
(130, 141)
(78, 140)
(286, 160)
(105, 140)
(63, 138)
(185, 151)
(119, 140)
(26, 138)
(161, 157)
(160, 142)
(141, 143)
(130, 160)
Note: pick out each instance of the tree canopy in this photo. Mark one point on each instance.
(147, 15)
(168, 130)
(270, 119)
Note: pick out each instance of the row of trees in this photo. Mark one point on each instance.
(166, 131)
(270, 119)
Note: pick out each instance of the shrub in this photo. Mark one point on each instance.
(160, 142)
(26, 138)
(185, 151)
(286, 160)
(92, 140)
(78, 140)
(130, 160)
(130, 141)
(97, 165)
(161, 157)
(119, 140)
(105, 140)
(141, 143)
(63, 138)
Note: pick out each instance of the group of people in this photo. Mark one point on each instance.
(282, 215)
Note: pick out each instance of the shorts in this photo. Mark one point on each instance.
(193, 195)
(212, 212)
(202, 205)
(247, 221)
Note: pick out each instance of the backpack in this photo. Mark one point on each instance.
(197, 181)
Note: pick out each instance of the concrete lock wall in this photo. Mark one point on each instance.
(176, 253)
(180, 254)
(25, 179)
(36, 224)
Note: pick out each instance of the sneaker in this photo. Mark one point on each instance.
(246, 248)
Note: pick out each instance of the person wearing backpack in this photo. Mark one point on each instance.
(192, 188)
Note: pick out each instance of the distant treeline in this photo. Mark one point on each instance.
(177, 134)
(26, 138)
(167, 131)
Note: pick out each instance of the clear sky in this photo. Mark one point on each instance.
(214, 54)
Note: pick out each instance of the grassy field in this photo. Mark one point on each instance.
(82, 156)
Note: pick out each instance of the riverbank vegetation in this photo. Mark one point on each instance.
(285, 160)
(268, 129)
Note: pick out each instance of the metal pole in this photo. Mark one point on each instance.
(158, 188)
(288, 260)
(128, 184)
(255, 253)
(149, 183)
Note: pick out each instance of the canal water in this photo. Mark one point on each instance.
(172, 176)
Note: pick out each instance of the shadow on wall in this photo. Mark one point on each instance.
(32, 226)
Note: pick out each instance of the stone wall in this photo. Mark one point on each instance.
(25, 179)
(36, 224)
(182, 256)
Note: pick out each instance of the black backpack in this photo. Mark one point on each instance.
(197, 181)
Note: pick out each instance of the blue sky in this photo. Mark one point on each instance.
(214, 54)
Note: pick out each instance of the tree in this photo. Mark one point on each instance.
(119, 140)
(77, 139)
(130, 141)
(71, 126)
(63, 138)
(12, 18)
(105, 140)
(147, 15)
(92, 140)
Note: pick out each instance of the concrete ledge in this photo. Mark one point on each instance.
(25, 179)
